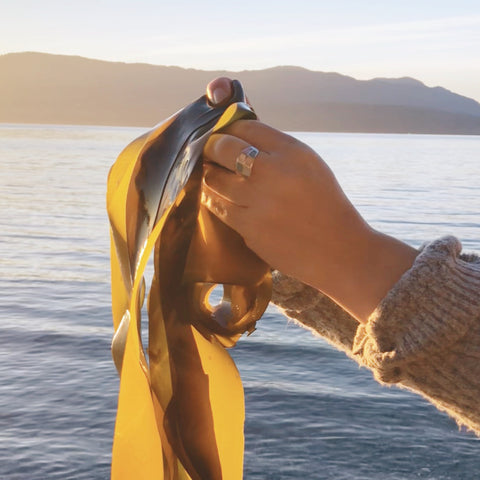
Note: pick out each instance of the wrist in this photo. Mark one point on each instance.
(360, 269)
(389, 259)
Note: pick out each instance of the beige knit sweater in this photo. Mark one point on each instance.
(424, 335)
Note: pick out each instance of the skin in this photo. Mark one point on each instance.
(294, 215)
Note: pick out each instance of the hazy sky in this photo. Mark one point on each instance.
(435, 41)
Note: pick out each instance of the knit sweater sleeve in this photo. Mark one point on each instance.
(424, 335)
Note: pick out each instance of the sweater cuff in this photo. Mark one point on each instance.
(432, 306)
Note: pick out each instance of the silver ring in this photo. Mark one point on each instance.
(244, 162)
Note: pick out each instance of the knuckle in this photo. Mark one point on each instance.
(242, 128)
(216, 144)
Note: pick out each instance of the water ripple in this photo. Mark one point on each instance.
(311, 412)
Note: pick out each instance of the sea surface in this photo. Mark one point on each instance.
(311, 413)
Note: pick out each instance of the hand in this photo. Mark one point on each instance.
(293, 214)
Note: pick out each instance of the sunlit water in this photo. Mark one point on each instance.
(311, 413)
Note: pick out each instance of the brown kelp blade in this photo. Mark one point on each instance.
(180, 415)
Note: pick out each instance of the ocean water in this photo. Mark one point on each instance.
(311, 412)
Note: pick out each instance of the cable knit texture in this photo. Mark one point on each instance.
(424, 335)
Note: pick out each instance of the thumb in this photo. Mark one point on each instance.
(219, 90)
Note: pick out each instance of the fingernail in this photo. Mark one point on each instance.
(220, 94)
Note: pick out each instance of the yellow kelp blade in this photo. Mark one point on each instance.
(137, 447)
(203, 395)
(137, 452)
(184, 411)
(226, 402)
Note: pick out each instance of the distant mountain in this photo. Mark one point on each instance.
(44, 88)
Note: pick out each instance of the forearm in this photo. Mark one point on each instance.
(384, 261)
(424, 335)
(354, 264)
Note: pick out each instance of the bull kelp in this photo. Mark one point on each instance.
(181, 404)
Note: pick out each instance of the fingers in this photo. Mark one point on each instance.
(255, 133)
(258, 134)
(261, 136)
(224, 149)
(227, 211)
(227, 186)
